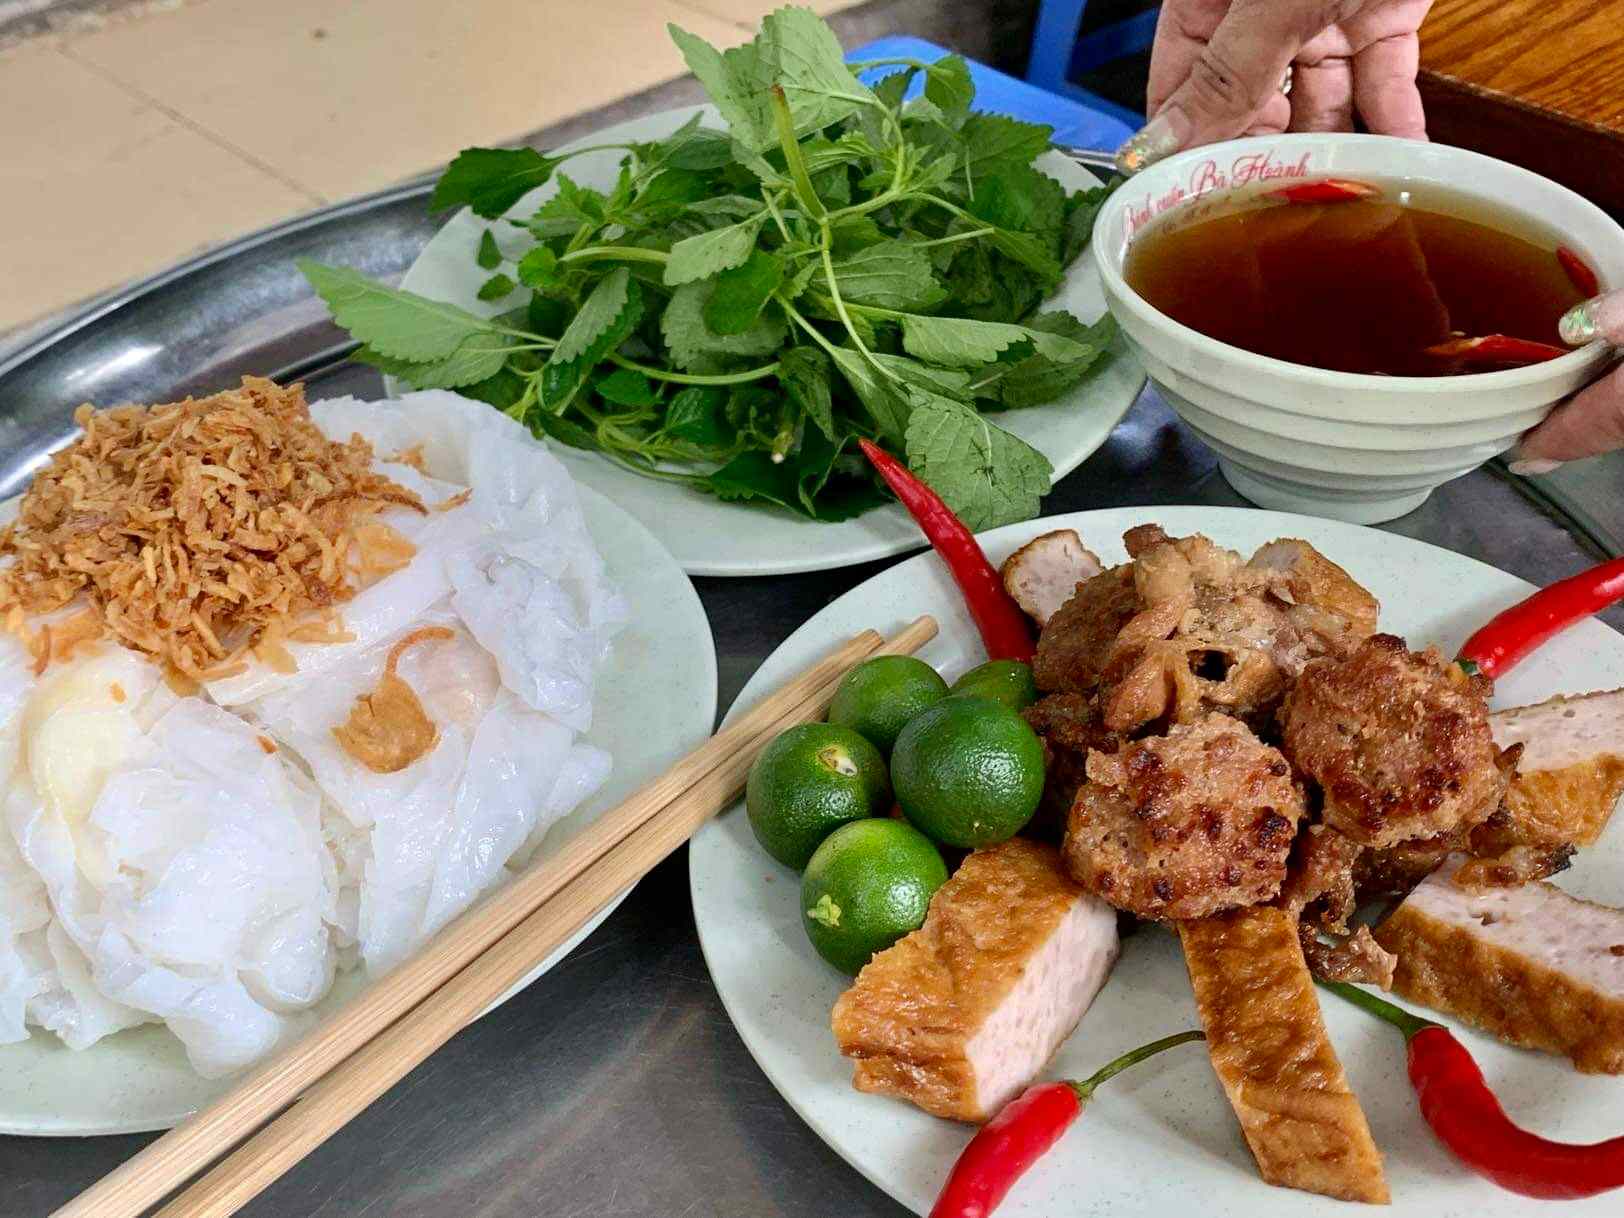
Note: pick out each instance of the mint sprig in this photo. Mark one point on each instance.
(736, 307)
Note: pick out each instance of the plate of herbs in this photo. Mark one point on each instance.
(704, 309)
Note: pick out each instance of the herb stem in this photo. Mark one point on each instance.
(845, 317)
(794, 315)
(793, 160)
(863, 65)
(620, 253)
(689, 378)
(949, 240)
(772, 210)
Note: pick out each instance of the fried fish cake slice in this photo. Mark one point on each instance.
(1270, 1051)
(962, 1014)
(1529, 965)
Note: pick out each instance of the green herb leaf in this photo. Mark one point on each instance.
(496, 287)
(565, 431)
(891, 275)
(1082, 209)
(957, 342)
(602, 314)
(695, 347)
(740, 293)
(987, 476)
(803, 57)
(737, 84)
(477, 358)
(704, 255)
(624, 387)
(887, 403)
(888, 90)
(401, 325)
(948, 86)
(1037, 378)
(538, 269)
(797, 282)
(699, 149)
(490, 180)
(569, 210)
(805, 375)
(995, 140)
(952, 382)
(1022, 199)
(697, 416)
(670, 192)
(489, 256)
(503, 389)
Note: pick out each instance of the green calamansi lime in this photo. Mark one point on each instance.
(868, 884)
(1006, 681)
(879, 696)
(968, 772)
(808, 782)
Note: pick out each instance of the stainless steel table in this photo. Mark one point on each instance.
(615, 1085)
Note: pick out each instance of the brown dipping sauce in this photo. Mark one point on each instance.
(1361, 286)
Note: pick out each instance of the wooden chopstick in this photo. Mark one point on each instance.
(172, 1159)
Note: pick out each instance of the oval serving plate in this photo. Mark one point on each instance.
(1161, 1139)
(656, 700)
(709, 537)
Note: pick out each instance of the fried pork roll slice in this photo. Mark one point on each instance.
(1571, 772)
(958, 1017)
(1044, 573)
(1529, 965)
(1270, 1051)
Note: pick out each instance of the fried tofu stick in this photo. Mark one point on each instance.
(1270, 1051)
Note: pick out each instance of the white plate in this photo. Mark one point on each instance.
(656, 701)
(1161, 1140)
(709, 537)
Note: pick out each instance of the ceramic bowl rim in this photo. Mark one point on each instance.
(1118, 292)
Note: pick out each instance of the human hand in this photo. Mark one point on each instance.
(1217, 65)
(1592, 421)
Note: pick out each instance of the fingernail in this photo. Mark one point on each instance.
(1579, 325)
(1156, 140)
(1530, 466)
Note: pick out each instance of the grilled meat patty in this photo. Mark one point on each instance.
(1400, 750)
(1186, 824)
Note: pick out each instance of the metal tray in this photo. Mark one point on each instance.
(615, 1085)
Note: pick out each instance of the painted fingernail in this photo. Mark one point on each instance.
(1579, 324)
(1154, 141)
(1531, 466)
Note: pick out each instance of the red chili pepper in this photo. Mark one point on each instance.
(1022, 1131)
(1497, 349)
(1468, 1119)
(1579, 272)
(1005, 630)
(1326, 190)
(1510, 635)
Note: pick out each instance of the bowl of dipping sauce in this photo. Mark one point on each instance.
(1301, 302)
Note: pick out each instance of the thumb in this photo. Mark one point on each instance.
(1588, 424)
(1236, 74)
(1593, 421)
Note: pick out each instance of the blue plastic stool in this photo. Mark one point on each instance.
(1081, 121)
(1058, 54)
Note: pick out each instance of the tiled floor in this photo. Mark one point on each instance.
(170, 129)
